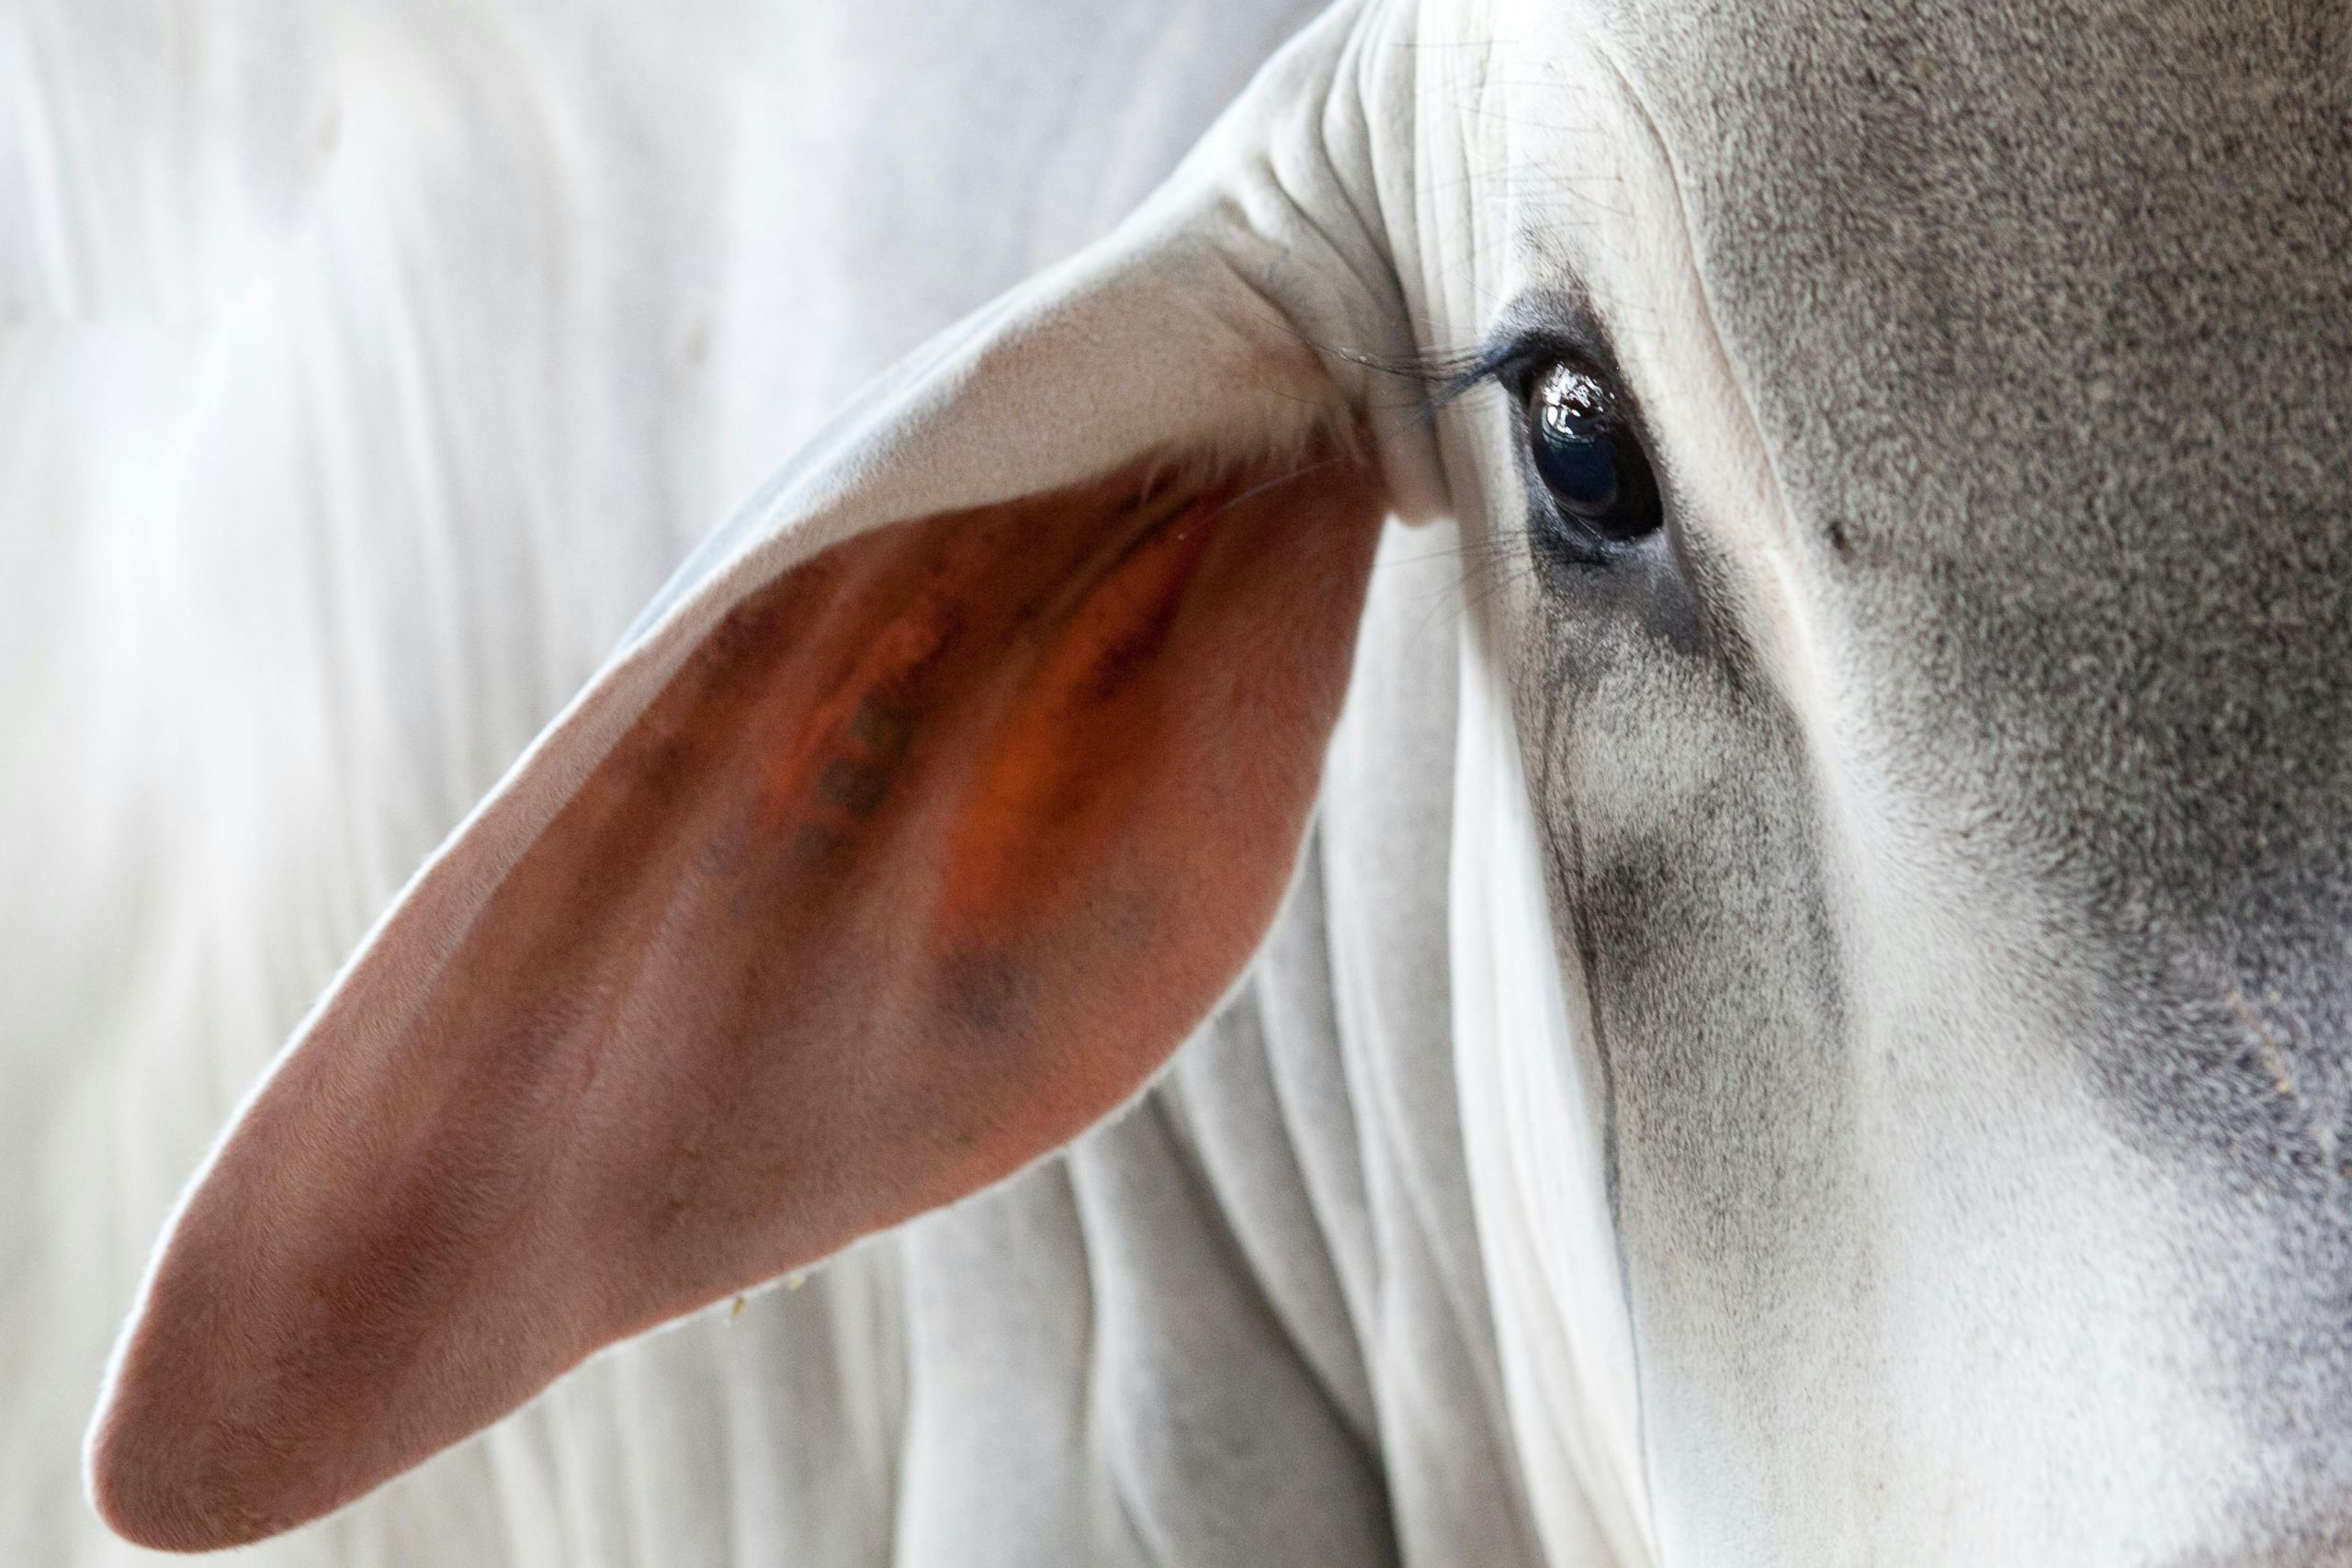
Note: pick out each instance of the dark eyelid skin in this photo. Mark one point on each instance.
(1536, 330)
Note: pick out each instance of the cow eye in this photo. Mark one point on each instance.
(1588, 457)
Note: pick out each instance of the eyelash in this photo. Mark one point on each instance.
(1507, 365)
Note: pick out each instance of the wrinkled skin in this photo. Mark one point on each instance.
(1949, 823)
(1942, 823)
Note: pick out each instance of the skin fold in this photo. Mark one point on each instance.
(1814, 1036)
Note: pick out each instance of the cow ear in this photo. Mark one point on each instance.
(933, 806)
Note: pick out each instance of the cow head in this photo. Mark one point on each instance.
(1946, 784)
(1904, 453)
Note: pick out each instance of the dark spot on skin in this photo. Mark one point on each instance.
(883, 729)
(985, 992)
(856, 785)
(855, 789)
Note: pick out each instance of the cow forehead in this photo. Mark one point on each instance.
(1927, 227)
(2045, 317)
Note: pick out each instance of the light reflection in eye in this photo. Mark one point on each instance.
(1589, 462)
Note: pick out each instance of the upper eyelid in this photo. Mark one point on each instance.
(1490, 363)
(1513, 366)
(1529, 330)
(1504, 361)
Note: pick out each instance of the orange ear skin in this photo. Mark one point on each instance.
(923, 862)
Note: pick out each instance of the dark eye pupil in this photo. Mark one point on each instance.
(1588, 459)
(1577, 460)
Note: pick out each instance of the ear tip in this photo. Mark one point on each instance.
(154, 1478)
(140, 1506)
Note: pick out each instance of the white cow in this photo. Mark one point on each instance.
(1903, 448)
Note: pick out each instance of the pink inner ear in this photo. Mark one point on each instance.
(923, 861)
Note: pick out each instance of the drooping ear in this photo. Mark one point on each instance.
(939, 799)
